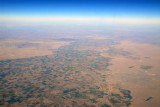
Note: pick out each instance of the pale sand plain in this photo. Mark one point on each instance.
(126, 71)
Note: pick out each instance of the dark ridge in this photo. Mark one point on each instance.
(66, 39)
(149, 98)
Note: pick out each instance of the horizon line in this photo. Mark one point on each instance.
(104, 20)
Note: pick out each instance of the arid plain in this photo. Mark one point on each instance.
(90, 70)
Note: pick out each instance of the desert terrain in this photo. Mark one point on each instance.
(138, 72)
(84, 70)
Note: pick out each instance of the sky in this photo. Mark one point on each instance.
(82, 11)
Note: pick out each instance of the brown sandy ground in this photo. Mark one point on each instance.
(13, 49)
(138, 72)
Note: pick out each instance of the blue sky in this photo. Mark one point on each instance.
(139, 9)
(81, 8)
